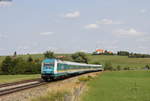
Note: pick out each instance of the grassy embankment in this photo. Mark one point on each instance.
(13, 78)
(119, 86)
(67, 91)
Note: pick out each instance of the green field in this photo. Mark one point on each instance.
(123, 61)
(13, 78)
(119, 86)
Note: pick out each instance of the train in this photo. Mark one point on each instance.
(54, 68)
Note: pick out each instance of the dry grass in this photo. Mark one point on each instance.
(67, 90)
(52, 96)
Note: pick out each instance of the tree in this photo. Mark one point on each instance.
(80, 57)
(126, 68)
(19, 66)
(7, 65)
(30, 59)
(15, 54)
(147, 66)
(123, 53)
(49, 54)
(37, 60)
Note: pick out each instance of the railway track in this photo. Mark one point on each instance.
(18, 86)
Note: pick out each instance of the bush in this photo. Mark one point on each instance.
(123, 53)
(49, 54)
(135, 55)
(108, 66)
(126, 68)
(29, 59)
(147, 66)
(118, 68)
(55, 96)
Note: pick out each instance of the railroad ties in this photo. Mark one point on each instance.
(18, 86)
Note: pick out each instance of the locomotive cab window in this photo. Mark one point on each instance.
(48, 65)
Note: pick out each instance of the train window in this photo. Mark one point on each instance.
(49, 65)
(62, 67)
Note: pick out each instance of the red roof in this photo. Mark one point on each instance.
(60, 56)
(100, 50)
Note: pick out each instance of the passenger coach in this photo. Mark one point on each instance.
(54, 68)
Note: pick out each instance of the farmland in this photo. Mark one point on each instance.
(119, 86)
(123, 61)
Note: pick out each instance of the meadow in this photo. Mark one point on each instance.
(119, 86)
(122, 61)
(13, 78)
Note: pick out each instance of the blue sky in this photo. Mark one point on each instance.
(34, 26)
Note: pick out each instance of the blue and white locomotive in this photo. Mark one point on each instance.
(54, 68)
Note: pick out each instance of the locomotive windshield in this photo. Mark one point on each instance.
(49, 65)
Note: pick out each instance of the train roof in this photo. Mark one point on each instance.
(75, 63)
(68, 62)
(48, 60)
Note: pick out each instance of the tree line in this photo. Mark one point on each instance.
(19, 65)
(124, 53)
(132, 55)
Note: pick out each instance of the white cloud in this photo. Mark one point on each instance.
(4, 3)
(46, 33)
(108, 22)
(101, 22)
(74, 14)
(128, 32)
(143, 10)
(91, 26)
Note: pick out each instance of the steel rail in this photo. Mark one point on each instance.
(19, 88)
(19, 82)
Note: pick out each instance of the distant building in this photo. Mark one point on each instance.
(60, 57)
(110, 52)
(99, 51)
(102, 51)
